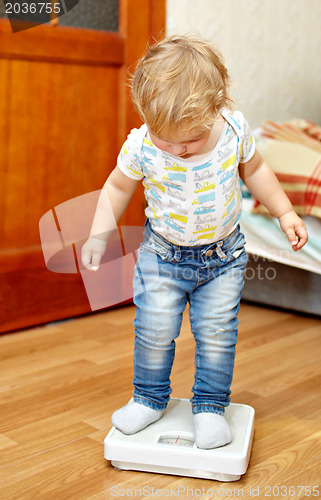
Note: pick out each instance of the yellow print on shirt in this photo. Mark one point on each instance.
(205, 229)
(134, 172)
(207, 236)
(155, 214)
(181, 218)
(205, 187)
(157, 184)
(230, 198)
(176, 168)
(228, 162)
(147, 141)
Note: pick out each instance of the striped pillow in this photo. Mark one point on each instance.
(298, 169)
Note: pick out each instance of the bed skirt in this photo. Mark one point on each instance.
(270, 283)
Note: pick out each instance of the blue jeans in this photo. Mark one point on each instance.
(210, 277)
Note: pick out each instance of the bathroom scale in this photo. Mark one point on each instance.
(167, 446)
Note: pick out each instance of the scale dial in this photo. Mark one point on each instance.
(175, 440)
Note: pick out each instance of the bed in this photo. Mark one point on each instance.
(276, 275)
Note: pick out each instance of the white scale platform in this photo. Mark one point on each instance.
(167, 446)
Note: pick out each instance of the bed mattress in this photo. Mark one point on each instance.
(276, 275)
(264, 238)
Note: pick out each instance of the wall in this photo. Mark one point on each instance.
(271, 47)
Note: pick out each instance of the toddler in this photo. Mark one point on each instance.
(190, 155)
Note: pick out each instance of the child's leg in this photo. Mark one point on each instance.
(155, 331)
(160, 301)
(214, 306)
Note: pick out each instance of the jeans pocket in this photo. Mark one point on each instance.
(237, 252)
(237, 249)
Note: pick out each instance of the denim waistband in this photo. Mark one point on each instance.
(223, 244)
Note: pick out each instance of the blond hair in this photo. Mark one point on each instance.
(179, 84)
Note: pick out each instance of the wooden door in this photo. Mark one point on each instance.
(64, 113)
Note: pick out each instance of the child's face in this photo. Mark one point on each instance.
(183, 144)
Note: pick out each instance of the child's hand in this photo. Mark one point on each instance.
(294, 228)
(92, 252)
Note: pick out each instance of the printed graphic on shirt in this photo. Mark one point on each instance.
(191, 203)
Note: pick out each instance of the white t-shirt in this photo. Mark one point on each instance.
(191, 202)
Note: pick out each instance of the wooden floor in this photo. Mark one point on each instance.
(60, 384)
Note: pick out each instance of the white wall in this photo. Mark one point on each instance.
(271, 47)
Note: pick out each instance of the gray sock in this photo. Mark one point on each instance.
(134, 417)
(211, 430)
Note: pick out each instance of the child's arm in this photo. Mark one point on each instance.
(113, 200)
(265, 187)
